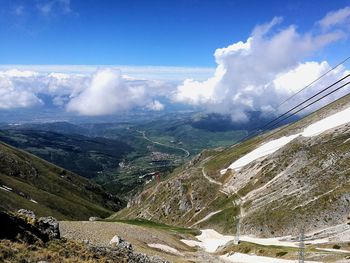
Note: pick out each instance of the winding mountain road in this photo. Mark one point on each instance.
(187, 153)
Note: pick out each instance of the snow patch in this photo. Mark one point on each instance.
(2, 188)
(245, 258)
(192, 243)
(33, 201)
(209, 239)
(6, 188)
(335, 120)
(166, 248)
(262, 151)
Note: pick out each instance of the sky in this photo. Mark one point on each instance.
(96, 58)
(138, 32)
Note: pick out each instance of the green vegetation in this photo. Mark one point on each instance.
(32, 183)
(119, 156)
(77, 153)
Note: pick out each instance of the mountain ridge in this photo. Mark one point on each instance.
(198, 193)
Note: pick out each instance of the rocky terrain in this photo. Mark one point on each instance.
(25, 238)
(304, 184)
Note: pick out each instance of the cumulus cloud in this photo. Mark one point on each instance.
(110, 92)
(155, 106)
(13, 95)
(254, 75)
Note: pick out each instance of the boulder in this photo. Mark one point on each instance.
(26, 214)
(121, 243)
(50, 226)
(17, 228)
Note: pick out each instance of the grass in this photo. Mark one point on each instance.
(58, 192)
(56, 251)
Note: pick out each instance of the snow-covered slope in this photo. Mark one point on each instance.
(330, 122)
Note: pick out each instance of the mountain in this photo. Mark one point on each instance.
(297, 176)
(80, 154)
(29, 182)
(58, 127)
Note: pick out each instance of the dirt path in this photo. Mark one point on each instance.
(209, 178)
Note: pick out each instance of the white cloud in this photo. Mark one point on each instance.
(335, 18)
(21, 88)
(165, 73)
(155, 106)
(106, 91)
(256, 74)
(110, 92)
(12, 96)
(18, 73)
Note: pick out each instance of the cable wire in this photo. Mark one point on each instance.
(255, 130)
(260, 130)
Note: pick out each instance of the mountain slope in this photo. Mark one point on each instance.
(29, 182)
(77, 153)
(305, 183)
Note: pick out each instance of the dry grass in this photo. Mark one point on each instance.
(54, 251)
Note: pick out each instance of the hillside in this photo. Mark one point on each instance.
(304, 183)
(77, 153)
(29, 182)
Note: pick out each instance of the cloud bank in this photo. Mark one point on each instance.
(256, 74)
(251, 75)
(107, 91)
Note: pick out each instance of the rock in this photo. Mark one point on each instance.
(128, 255)
(18, 228)
(49, 225)
(121, 243)
(94, 218)
(26, 213)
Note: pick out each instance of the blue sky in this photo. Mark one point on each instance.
(138, 32)
(97, 58)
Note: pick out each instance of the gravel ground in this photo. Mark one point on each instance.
(100, 233)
